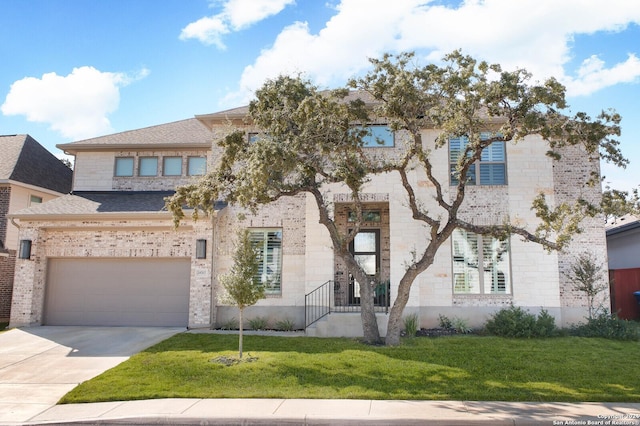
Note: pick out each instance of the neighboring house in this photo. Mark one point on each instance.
(623, 246)
(29, 175)
(108, 254)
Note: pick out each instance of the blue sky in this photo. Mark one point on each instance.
(75, 69)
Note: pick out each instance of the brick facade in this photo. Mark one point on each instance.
(5, 198)
(109, 239)
(7, 266)
(7, 259)
(570, 173)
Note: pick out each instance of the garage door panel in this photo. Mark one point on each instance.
(100, 291)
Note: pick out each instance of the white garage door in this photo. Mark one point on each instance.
(117, 292)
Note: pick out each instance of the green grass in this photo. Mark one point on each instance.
(452, 368)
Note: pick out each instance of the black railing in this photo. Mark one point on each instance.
(317, 304)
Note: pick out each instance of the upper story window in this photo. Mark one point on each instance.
(196, 166)
(172, 166)
(253, 137)
(124, 166)
(379, 135)
(490, 170)
(148, 166)
(34, 199)
(480, 264)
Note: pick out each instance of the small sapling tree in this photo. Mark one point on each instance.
(242, 287)
(587, 275)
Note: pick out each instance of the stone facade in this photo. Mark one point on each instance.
(287, 215)
(537, 278)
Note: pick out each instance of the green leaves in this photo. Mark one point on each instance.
(241, 288)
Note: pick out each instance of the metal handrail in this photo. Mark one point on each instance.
(317, 303)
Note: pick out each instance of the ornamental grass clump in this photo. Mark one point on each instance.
(411, 325)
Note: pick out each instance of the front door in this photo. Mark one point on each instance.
(365, 248)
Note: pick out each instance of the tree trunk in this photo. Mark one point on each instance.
(394, 327)
(240, 335)
(370, 331)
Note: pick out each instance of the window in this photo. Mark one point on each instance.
(365, 248)
(34, 199)
(172, 166)
(269, 244)
(379, 135)
(253, 137)
(490, 170)
(124, 166)
(480, 264)
(367, 216)
(148, 166)
(196, 166)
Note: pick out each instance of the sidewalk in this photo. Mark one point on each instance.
(325, 412)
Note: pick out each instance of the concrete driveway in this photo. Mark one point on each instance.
(39, 365)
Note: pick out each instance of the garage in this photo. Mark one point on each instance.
(117, 292)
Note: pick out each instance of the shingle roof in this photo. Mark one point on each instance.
(183, 133)
(240, 114)
(23, 159)
(83, 203)
(622, 224)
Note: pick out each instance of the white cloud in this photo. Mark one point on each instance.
(208, 30)
(593, 75)
(235, 16)
(76, 105)
(532, 34)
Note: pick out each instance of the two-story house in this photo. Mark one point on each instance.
(29, 175)
(108, 254)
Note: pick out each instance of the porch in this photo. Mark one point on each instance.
(334, 297)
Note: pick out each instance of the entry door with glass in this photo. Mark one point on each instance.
(365, 248)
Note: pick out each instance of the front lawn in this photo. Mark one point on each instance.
(449, 368)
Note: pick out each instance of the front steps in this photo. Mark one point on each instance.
(348, 324)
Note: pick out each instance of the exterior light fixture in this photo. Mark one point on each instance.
(25, 249)
(201, 249)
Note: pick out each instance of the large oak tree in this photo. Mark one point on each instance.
(312, 140)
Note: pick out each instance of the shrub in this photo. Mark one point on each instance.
(258, 323)
(285, 325)
(444, 321)
(411, 325)
(516, 322)
(545, 324)
(608, 326)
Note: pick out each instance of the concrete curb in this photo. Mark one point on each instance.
(347, 412)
